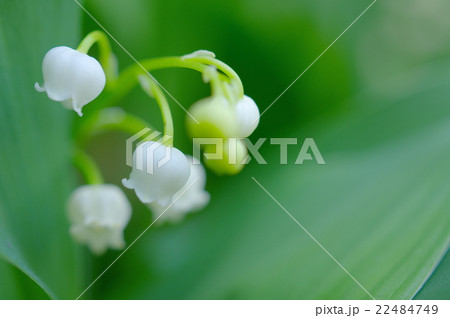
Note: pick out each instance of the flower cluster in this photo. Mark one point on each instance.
(169, 182)
(228, 116)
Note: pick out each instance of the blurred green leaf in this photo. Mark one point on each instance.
(438, 285)
(35, 177)
(10, 289)
(17, 285)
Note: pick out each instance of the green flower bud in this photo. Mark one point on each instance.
(231, 159)
(214, 118)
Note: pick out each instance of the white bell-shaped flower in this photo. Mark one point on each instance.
(247, 114)
(158, 172)
(71, 77)
(192, 197)
(98, 215)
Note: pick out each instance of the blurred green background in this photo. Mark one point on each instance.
(377, 105)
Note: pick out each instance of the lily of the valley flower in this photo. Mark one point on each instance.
(98, 215)
(212, 117)
(192, 197)
(247, 113)
(158, 172)
(71, 77)
(216, 117)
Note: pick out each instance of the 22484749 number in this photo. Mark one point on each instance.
(404, 309)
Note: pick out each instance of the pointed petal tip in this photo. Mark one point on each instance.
(127, 183)
(77, 110)
(39, 88)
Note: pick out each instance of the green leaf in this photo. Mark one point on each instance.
(438, 285)
(9, 288)
(17, 285)
(35, 147)
(379, 206)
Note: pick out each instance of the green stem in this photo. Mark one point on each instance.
(228, 92)
(87, 166)
(128, 78)
(227, 70)
(107, 59)
(151, 87)
(211, 75)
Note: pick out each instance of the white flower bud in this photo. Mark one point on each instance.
(192, 197)
(247, 116)
(215, 117)
(158, 172)
(71, 77)
(98, 215)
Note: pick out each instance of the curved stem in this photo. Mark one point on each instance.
(227, 70)
(128, 78)
(151, 87)
(87, 166)
(107, 59)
